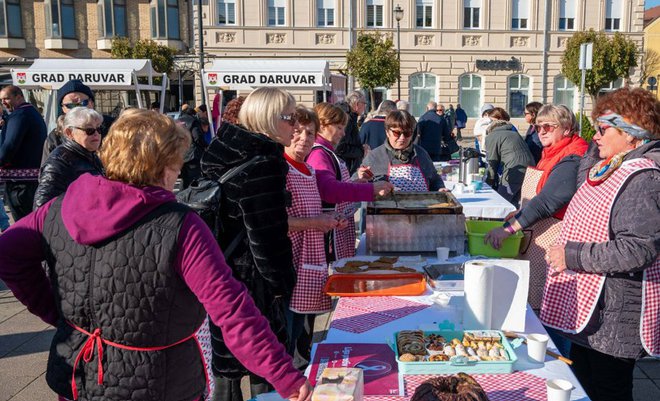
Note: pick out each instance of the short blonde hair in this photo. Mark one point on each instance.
(261, 110)
(140, 145)
(558, 114)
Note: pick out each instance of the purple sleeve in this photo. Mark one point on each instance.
(201, 264)
(332, 190)
(21, 254)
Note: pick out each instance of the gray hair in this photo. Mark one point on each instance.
(385, 107)
(402, 105)
(559, 114)
(431, 105)
(354, 97)
(81, 116)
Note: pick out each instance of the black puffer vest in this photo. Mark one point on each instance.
(127, 287)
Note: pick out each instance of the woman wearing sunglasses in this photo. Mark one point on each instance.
(254, 210)
(407, 166)
(546, 191)
(602, 286)
(334, 182)
(74, 157)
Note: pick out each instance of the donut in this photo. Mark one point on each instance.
(460, 387)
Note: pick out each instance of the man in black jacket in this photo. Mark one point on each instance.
(191, 169)
(21, 140)
(432, 131)
(350, 147)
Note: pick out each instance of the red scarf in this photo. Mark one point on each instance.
(572, 145)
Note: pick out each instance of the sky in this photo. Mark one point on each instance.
(652, 3)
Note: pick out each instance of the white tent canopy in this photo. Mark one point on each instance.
(118, 74)
(237, 74)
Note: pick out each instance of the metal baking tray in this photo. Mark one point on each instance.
(416, 203)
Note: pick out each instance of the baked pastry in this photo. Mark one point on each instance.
(388, 259)
(407, 358)
(460, 387)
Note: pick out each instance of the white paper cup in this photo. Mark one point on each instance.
(558, 389)
(443, 253)
(536, 346)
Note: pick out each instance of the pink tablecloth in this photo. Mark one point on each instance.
(360, 314)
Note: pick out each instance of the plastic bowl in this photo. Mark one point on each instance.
(477, 230)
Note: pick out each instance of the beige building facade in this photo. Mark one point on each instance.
(84, 29)
(505, 52)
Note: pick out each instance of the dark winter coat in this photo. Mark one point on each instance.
(534, 144)
(350, 147)
(97, 289)
(506, 150)
(63, 166)
(198, 144)
(22, 137)
(372, 132)
(432, 132)
(254, 200)
(634, 245)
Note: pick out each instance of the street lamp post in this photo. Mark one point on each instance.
(398, 15)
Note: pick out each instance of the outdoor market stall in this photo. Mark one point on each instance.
(98, 74)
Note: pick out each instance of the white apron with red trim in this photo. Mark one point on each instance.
(570, 298)
(344, 239)
(407, 177)
(308, 246)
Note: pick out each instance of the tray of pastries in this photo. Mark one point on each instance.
(379, 265)
(446, 351)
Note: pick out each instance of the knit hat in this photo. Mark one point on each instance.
(75, 85)
(486, 107)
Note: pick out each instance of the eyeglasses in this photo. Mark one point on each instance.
(289, 118)
(545, 127)
(83, 103)
(89, 131)
(406, 134)
(602, 128)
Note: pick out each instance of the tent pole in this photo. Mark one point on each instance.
(138, 95)
(162, 93)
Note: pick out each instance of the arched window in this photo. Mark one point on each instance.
(518, 94)
(470, 94)
(564, 92)
(422, 90)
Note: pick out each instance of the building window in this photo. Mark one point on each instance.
(375, 13)
(613, 12)
(226, 12)
(424, 13)
(564, 92)
(112, 18)
(518, 94)
(520, 14)
(614, 85)
(165, 19)
(276, 11)
(11, 24)
(422, 91)
(326, 12)
(471, 13)
(470, 94)
(60, 19)
(566, 15)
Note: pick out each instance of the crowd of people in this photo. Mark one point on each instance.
(130, 274)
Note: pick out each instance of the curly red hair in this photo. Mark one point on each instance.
(232, 108)
(637, 105)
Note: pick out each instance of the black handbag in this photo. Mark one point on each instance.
(204, 196)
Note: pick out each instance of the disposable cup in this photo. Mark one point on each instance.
(558, 389)
(443, 253)
(536, 346)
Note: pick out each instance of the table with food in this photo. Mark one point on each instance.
(427, 312)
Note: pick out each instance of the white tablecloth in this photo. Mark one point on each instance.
(485, 203)
(552, 369)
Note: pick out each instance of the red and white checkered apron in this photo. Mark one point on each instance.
(570, 299)
(538, 238)
(308, 246)
(407, 177)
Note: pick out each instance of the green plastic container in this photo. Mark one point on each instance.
(477, 230)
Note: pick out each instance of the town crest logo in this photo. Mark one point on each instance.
(21, 77)
(213, 79)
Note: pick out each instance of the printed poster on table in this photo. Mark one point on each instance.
(381, 373)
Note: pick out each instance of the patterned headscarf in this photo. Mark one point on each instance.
(620, 122)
